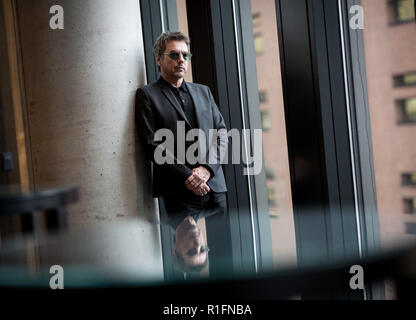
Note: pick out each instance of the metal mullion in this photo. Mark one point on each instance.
(362, 144)
(348, 108)
(243, 113)
(260, 206)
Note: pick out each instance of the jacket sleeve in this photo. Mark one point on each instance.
(218, 145)
(145, 122)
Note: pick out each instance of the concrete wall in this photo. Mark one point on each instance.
(80, 85)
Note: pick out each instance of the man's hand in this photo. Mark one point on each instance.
(202, 190)
(197, 181)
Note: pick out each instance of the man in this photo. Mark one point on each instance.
(190, 190)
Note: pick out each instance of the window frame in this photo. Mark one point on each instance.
(401, 105)
(409, 202)
(236, 250)
(408, 180)
(331, 62)
(398, 80)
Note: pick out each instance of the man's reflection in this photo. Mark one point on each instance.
(190, 253)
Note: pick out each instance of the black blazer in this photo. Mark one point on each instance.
(157, 108)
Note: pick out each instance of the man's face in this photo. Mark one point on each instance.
(189, 243)
(173, 69)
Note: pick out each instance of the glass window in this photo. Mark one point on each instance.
(263, 96)
(409, 179)
(269, 172)
(410, 228)
(388, 51)
(271, 196)
(408, 79)
(410, 109)
(274, 132)
(258, 43)
(265, 120)
(410, 205)
(256, 18)
(183, 27)
(407, 110)
(405, 10)
(402, 10)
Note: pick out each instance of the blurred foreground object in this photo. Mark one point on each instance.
(90, 257)
(39, 211)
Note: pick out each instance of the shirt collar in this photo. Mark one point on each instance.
(165, 83)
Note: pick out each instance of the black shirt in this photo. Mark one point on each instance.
(184, 99)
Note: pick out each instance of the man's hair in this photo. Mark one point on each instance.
(160, 44)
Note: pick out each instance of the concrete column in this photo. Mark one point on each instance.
(80, 85)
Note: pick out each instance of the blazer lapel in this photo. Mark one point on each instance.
(169, 95)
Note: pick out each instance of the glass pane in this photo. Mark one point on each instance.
(391, 50)
(274, 132)
(409, 79)
(410, 109)
(183, 27)
(405, 10)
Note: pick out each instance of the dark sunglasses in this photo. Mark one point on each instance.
(192, 252)
(174, 55)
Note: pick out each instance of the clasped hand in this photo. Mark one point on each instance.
(197, 182)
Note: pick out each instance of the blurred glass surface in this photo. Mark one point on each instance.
(390, 51)
(88, 256)
(266, 47)
(183, 27)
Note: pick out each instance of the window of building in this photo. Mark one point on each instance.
(276, 156)
(263, 96)
(410, 205)
(265, 120)
(407, 79)
(269, 173)
(407, 110)
(403, 10)
(256, 19)
(382, 60)
(409, 179)
(258, 43)
(410, 227)
(271, 196)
